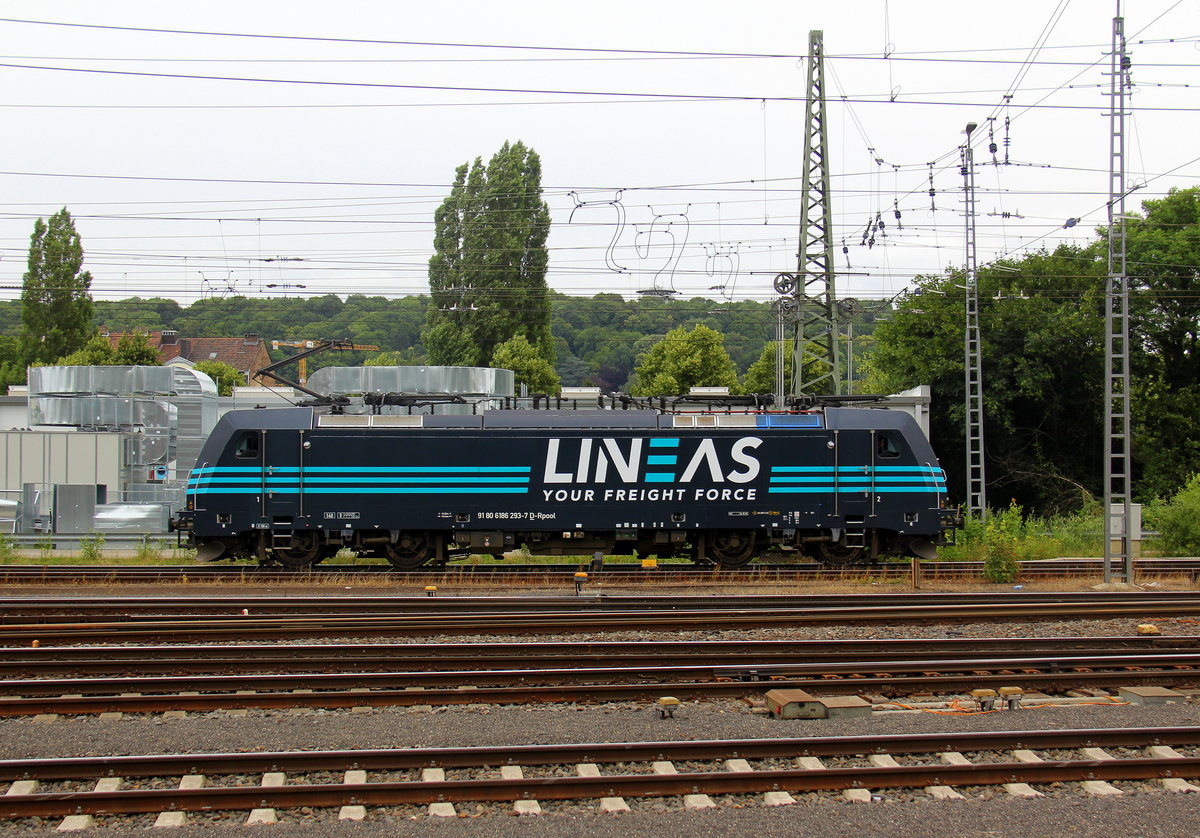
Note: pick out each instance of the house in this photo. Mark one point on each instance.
(247, 354)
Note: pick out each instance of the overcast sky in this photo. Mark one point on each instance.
(689, 114)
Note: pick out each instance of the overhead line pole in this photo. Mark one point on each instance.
(972, 356)
(816, 331)
(1117, 397)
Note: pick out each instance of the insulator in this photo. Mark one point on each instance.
(992, 147)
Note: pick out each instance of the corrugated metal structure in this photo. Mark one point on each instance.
(134, 430)
(482, 388)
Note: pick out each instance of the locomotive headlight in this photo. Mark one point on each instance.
(307, 444)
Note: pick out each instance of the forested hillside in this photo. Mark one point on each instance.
(599, 339)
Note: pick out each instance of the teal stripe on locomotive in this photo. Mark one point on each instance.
(367, 469)
(390, 490)
(400, 480)
(279, 481)
(855, 479)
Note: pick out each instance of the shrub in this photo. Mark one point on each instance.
(7, 551)
(148, 551)
(1178, 520)
(1004, 535)
(91, 549)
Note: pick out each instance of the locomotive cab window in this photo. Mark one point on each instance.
(246, 446)
(886, 446)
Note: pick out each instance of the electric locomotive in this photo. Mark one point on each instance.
(839, 484)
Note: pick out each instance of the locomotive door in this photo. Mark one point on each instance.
(283, 478)
(854, 475)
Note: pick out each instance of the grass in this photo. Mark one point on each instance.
(42, 555)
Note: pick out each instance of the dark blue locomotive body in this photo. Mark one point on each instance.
(840, 484)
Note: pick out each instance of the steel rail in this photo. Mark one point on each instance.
(642, 785)
(141, 660)
(250, 628)
(591, 598)
(1184, 666)
(82, 609)
(753, 683)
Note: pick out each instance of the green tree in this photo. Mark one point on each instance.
(1041, 328)
(1163, 248)
(528, 365)
(685, 359)
(56, 308)
(132, 349)
(135, 349)
(225, 376)
(97, 352)
(488, 274)
(393, 358)
(12, 369)
(760, 377)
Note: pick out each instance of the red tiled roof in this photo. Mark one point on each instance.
(247, 354)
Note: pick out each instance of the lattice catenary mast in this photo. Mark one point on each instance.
(812, 302)
(1117, 397)
(972, 360)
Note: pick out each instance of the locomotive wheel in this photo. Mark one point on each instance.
(412, 549)
(731, 548)
(831, 552)
(304, 552)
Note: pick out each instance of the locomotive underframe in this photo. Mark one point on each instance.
(411, 549)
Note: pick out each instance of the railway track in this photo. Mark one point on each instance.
(52, 610)
(138, 661)
(943, 765)
(544, 676)
(622, 573)
(51, 621)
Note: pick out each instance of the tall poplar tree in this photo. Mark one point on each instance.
(56, 308)
(488, 275)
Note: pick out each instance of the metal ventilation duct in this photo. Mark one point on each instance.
(474, 383)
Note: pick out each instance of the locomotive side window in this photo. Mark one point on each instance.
(247, 445)
(885, 446)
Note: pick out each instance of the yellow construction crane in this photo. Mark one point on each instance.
(313, 344)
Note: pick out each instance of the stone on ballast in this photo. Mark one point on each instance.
(943, 793)
(352, 813)
(778, 798)
(258, 816)
(170, 820)
(1023, 790)
(76, 823)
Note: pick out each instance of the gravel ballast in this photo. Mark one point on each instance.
(1141, 811)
